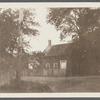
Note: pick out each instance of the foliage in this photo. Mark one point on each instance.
(9, 28)
(83, 24)
(35, 59)
(12, 36)
(25, 87)
(74, 20)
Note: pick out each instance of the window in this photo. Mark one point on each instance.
(47, 65)
(55, 65)
(63, 64)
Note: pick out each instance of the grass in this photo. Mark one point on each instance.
(69, 84)
(24, 87)
(53, 84)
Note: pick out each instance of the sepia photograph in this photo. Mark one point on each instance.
(47, 48)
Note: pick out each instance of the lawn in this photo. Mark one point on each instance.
(53, 84)
(69, 84)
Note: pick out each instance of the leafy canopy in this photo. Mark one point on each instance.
(80, 21)
(9, 28)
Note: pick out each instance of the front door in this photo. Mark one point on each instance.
(63, 67)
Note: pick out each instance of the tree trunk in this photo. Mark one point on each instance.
(20, 42)
(18, 67)
(18, 76)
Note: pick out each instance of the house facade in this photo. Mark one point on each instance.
(56, 61)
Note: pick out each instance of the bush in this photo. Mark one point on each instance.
(24, 87)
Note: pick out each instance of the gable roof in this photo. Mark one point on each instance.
(57, 50)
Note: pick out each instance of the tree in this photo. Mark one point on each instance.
(35, 59)
(9, 30)
(9, 33)
(74, 20)
(81, 23)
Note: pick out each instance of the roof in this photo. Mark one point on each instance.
(57, 50)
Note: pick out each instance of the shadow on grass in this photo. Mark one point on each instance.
(24, 87)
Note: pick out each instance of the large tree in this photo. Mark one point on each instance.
(83, 24)
(12, 43)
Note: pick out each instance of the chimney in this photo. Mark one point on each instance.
(49, 42)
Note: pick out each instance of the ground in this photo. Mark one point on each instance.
(55, 84)
(69, 84)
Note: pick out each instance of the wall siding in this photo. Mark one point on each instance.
(56, 72)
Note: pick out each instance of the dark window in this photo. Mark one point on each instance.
(55, 65)
(47, 65)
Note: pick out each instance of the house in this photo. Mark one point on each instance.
(56, 61)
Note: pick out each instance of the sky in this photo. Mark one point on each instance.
(46, 32)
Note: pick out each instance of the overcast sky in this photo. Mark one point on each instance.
(46, 32)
